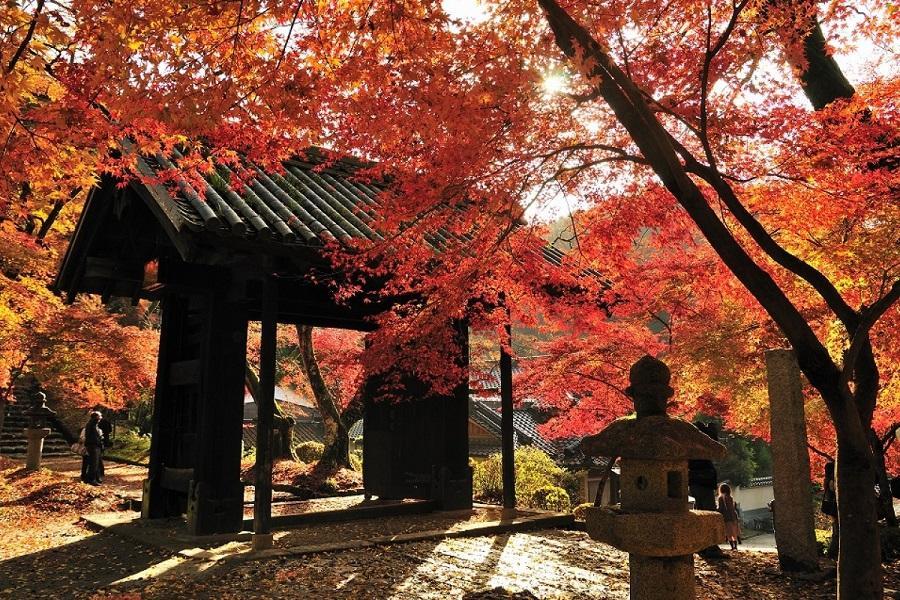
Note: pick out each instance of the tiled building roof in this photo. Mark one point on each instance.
(524, 427)
(760, 482)
(314, 200)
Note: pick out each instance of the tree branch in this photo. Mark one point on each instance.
(861, 334)
(27, 39)
(820, 452)
(888, 438)
(789, 261)
(632, 111)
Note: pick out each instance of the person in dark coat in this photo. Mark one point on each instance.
(93, 445)
(106, 428)
(829, 507)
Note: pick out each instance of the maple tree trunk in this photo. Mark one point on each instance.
(859, 551)
(282, 431)
(50, 220)
(337, 435)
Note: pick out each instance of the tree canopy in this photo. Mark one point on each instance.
(726, 181)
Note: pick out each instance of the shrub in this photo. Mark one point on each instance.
(487, 478)
(356, 461)
(534, 469)
(572, 483)
(310, 452)
(130, 445)
(578, 511)
(551, 497)
(823, 539)
(141, 414)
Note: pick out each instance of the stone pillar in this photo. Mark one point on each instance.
(35, 436)
(671, 578)
(794, 526)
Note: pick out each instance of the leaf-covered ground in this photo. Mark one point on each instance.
(46, 553)
(547, 564)
(307, 480)
(41, 509)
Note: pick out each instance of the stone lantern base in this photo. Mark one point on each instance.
(35, 437)
(661, 547)
(655, 534)
(655, 578)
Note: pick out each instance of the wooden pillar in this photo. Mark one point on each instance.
(262, 507)
(216, 494)
(506, 423)
(158, 501)
(418, 447)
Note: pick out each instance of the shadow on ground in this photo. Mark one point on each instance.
(76, 570)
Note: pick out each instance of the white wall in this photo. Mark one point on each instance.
(753, 498)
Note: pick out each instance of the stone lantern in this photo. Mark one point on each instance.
(38, 416)
(653, 523)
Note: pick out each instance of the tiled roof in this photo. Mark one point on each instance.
(524, 426)
(485, 377)
(289, 400)
(308, 431)
(356, 431)
(760, 482)
(304, 431)
(314, 200)
(249, 435)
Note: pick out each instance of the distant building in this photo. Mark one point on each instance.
(753, 500)
(307, 421)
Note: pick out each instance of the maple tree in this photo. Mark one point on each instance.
(763, 221)
(326, 366)
(83, 354)
(332, 374)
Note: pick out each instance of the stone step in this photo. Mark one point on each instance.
(20, 435)
(48, 443)
(20, 452)
(47, 449)
(20, 432)
(15, 425)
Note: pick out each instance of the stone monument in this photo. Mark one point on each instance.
(653, 523)
(37, 430)
(795, 534)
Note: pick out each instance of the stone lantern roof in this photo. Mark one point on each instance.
(651, 433)
(657, 437)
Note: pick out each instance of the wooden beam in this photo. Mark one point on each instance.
(262, 508)
(506, 420)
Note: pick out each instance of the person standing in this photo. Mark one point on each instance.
(702, 479)
(725, 506)
(829, 507)
(106, 428)
(93, 445)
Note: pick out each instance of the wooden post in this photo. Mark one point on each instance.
(506, 422)
(262, 506)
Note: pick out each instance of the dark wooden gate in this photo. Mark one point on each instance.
(418, 446)
(198, 413)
